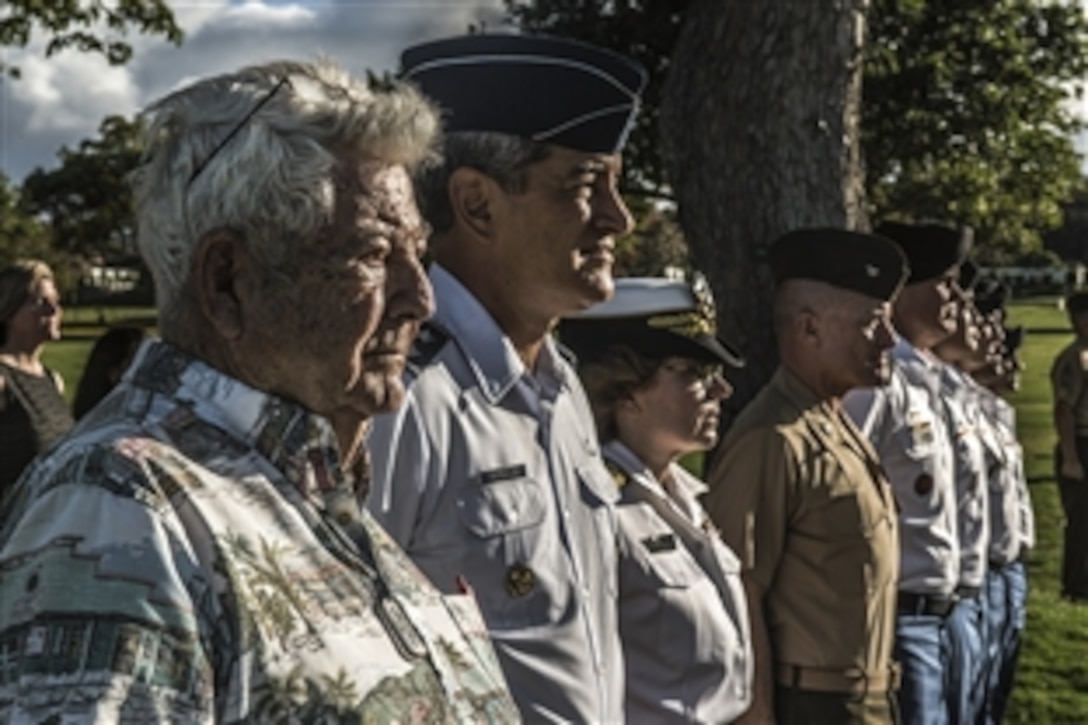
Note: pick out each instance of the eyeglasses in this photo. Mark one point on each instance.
(706, 375)
(238, 127)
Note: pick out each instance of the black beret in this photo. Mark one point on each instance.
(1014, 338)
(856, 261)
(655, 317)
(552, 90)
(990, 295)
(931, 249)
(968, 275)
(1077, 303)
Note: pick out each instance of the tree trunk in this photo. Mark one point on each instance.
(759, 122)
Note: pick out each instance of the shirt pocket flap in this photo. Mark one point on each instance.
(493, 509)
(675, 569)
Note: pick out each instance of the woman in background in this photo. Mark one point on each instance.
(109, 358)
(33, 412)
(651, 363)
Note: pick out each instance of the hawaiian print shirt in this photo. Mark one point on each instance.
(194, 553)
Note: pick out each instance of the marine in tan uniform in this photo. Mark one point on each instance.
(800, 495)
(1068, 377)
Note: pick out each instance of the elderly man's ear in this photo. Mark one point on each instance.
(223, 272)
(471, 195)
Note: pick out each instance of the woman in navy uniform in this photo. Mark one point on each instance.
(652, 364)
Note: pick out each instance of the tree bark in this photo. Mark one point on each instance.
(759, 124)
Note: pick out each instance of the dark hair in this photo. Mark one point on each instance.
(109, 357)
(609, 378)
(501, 156)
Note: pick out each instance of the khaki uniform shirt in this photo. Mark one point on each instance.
(683, 615)
(1067, 378)
(799, 494)
(492, 472)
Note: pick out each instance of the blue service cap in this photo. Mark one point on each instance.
(547, 89)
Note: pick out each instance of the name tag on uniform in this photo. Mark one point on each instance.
(655, 544)
(503, 474)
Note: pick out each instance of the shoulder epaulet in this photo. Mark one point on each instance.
(430, 340)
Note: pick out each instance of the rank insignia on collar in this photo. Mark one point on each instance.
(662, 542)
(520, 580)
(619, 476)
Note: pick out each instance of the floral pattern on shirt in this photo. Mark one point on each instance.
(192, 553)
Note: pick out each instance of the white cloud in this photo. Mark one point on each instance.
(63, 99)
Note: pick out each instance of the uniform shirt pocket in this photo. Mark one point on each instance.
(510, 556)
(493, 509)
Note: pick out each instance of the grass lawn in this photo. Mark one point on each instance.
(82, 326)
(1052, 683)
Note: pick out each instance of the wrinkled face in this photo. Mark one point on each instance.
(556, 233)
(856, 337)
(357, 298)
(38, 320)
(681, 404)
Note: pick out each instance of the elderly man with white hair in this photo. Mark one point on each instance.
(194, 551)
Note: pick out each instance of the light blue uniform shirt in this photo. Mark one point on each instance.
(683, 614)
(491, 472)
(962, 416)
(1012, 528)
(903, 420)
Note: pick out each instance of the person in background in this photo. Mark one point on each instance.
(1068, 378)
(1013, 529)
(195, 552)
(491, 471)
(109, 358)
(799, 492)
(905, 423)
(652, 365)
(33, 412)
(976, 456)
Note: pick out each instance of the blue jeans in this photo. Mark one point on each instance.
(919, 641)
(965, 661)
(1014, 585)
(998, 624)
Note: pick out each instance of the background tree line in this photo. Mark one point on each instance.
(758, 117)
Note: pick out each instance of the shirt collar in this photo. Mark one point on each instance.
(625, 458)
(905, 351)
(301, 444)
(490, 354)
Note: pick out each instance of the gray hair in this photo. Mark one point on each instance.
(257, 152)
(501, 156)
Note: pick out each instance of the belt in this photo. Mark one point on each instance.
(965, 592)
(854, 681)
(933, 605)
(1020, 558)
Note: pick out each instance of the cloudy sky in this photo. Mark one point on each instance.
(62, 100)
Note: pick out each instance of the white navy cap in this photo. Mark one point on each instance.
(551, 90)
(656, 317)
